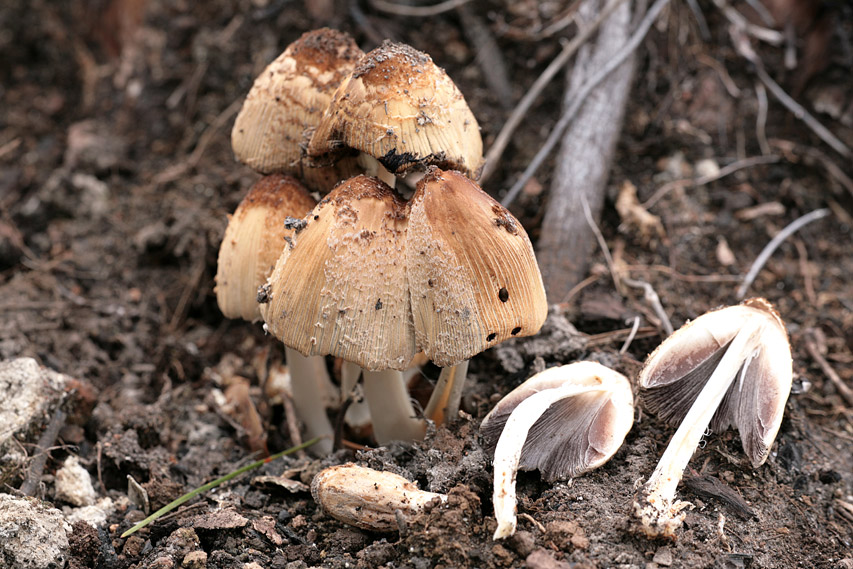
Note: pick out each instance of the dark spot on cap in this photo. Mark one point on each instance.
(430, 283)
(491, 337)
(516, 330)
(263, 294)
(378, 303)
(503, 294)
(316, 217)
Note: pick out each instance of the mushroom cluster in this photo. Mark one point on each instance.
(364, 275)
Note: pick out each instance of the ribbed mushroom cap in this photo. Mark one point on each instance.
(289, 97)
(472, 273)
(402, 109)
(575, 434)
(253, 241)
(677, 370)
(341, 289)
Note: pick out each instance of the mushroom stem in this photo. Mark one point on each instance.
(307, 374)
(391, 410)
(444, 402)
(656, 506)
(372, 167)
(358, 414)
(510, 444)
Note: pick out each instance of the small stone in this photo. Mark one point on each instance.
(28, 392)
(195, 560)
(663, 556)
(579, 540)
(32, 535)
(523, 543)
(542, 559)
(95, 515)
(74, 484)
(133, 546)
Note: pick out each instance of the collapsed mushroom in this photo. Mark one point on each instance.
(289, 97)
(473, 279)
(341, 290)
(253, 241)
(564, 421)
(399, 110)
(729, 367)
(369, 499)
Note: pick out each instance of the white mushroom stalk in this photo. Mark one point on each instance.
(745, 381)
(570, 419)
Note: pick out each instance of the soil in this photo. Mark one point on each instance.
(116, 180)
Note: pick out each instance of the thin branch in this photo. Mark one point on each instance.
(768, 250)
(761, 118)
(417, 11)
(631, 335)
(518, 113)
(723, 172)
(653, 299)
(618, 59)
(743, 46)
(843, 389)
(601, 243)
(28, 488)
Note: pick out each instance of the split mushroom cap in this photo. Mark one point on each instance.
(563, 421)
(732, 366)
(253, 241)
(341, 289)
(473, 277)
(403, 110)
(574, 434)
(676, 372)
(289, 97)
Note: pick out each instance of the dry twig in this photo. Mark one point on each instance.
(774, 243)
(653, 299)
(811, 347)
(520, 110)
(28, 488)
(417, 11)
(583, 92)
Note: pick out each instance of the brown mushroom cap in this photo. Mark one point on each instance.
(473, 277)
(289, 97)
(253, 241)
(675, 373)
(402, 109)
(341, 289)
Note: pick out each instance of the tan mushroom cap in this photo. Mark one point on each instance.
(402, 109)
(472, 273)
(341, 289)
(289, 97)
(253, 241)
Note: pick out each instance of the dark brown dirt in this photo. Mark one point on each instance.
(116, 179)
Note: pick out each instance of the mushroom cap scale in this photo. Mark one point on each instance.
(289, 97)
(473, 277)
(253, 241)
(575, 434)
(342, 289)
(402, 109)
(676, 372)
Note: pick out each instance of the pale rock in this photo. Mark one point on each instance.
(27, 393)
(32, 535)
(74, 484)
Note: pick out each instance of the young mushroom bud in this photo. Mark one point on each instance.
(729, 367)
(263, 224)
(400, 108)
(290, 97)
(369, 499)
(254, 238)
(564, 421)
(473, 277)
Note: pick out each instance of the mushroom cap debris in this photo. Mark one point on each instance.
(256, 234)
(289, 97)
(403, 110)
